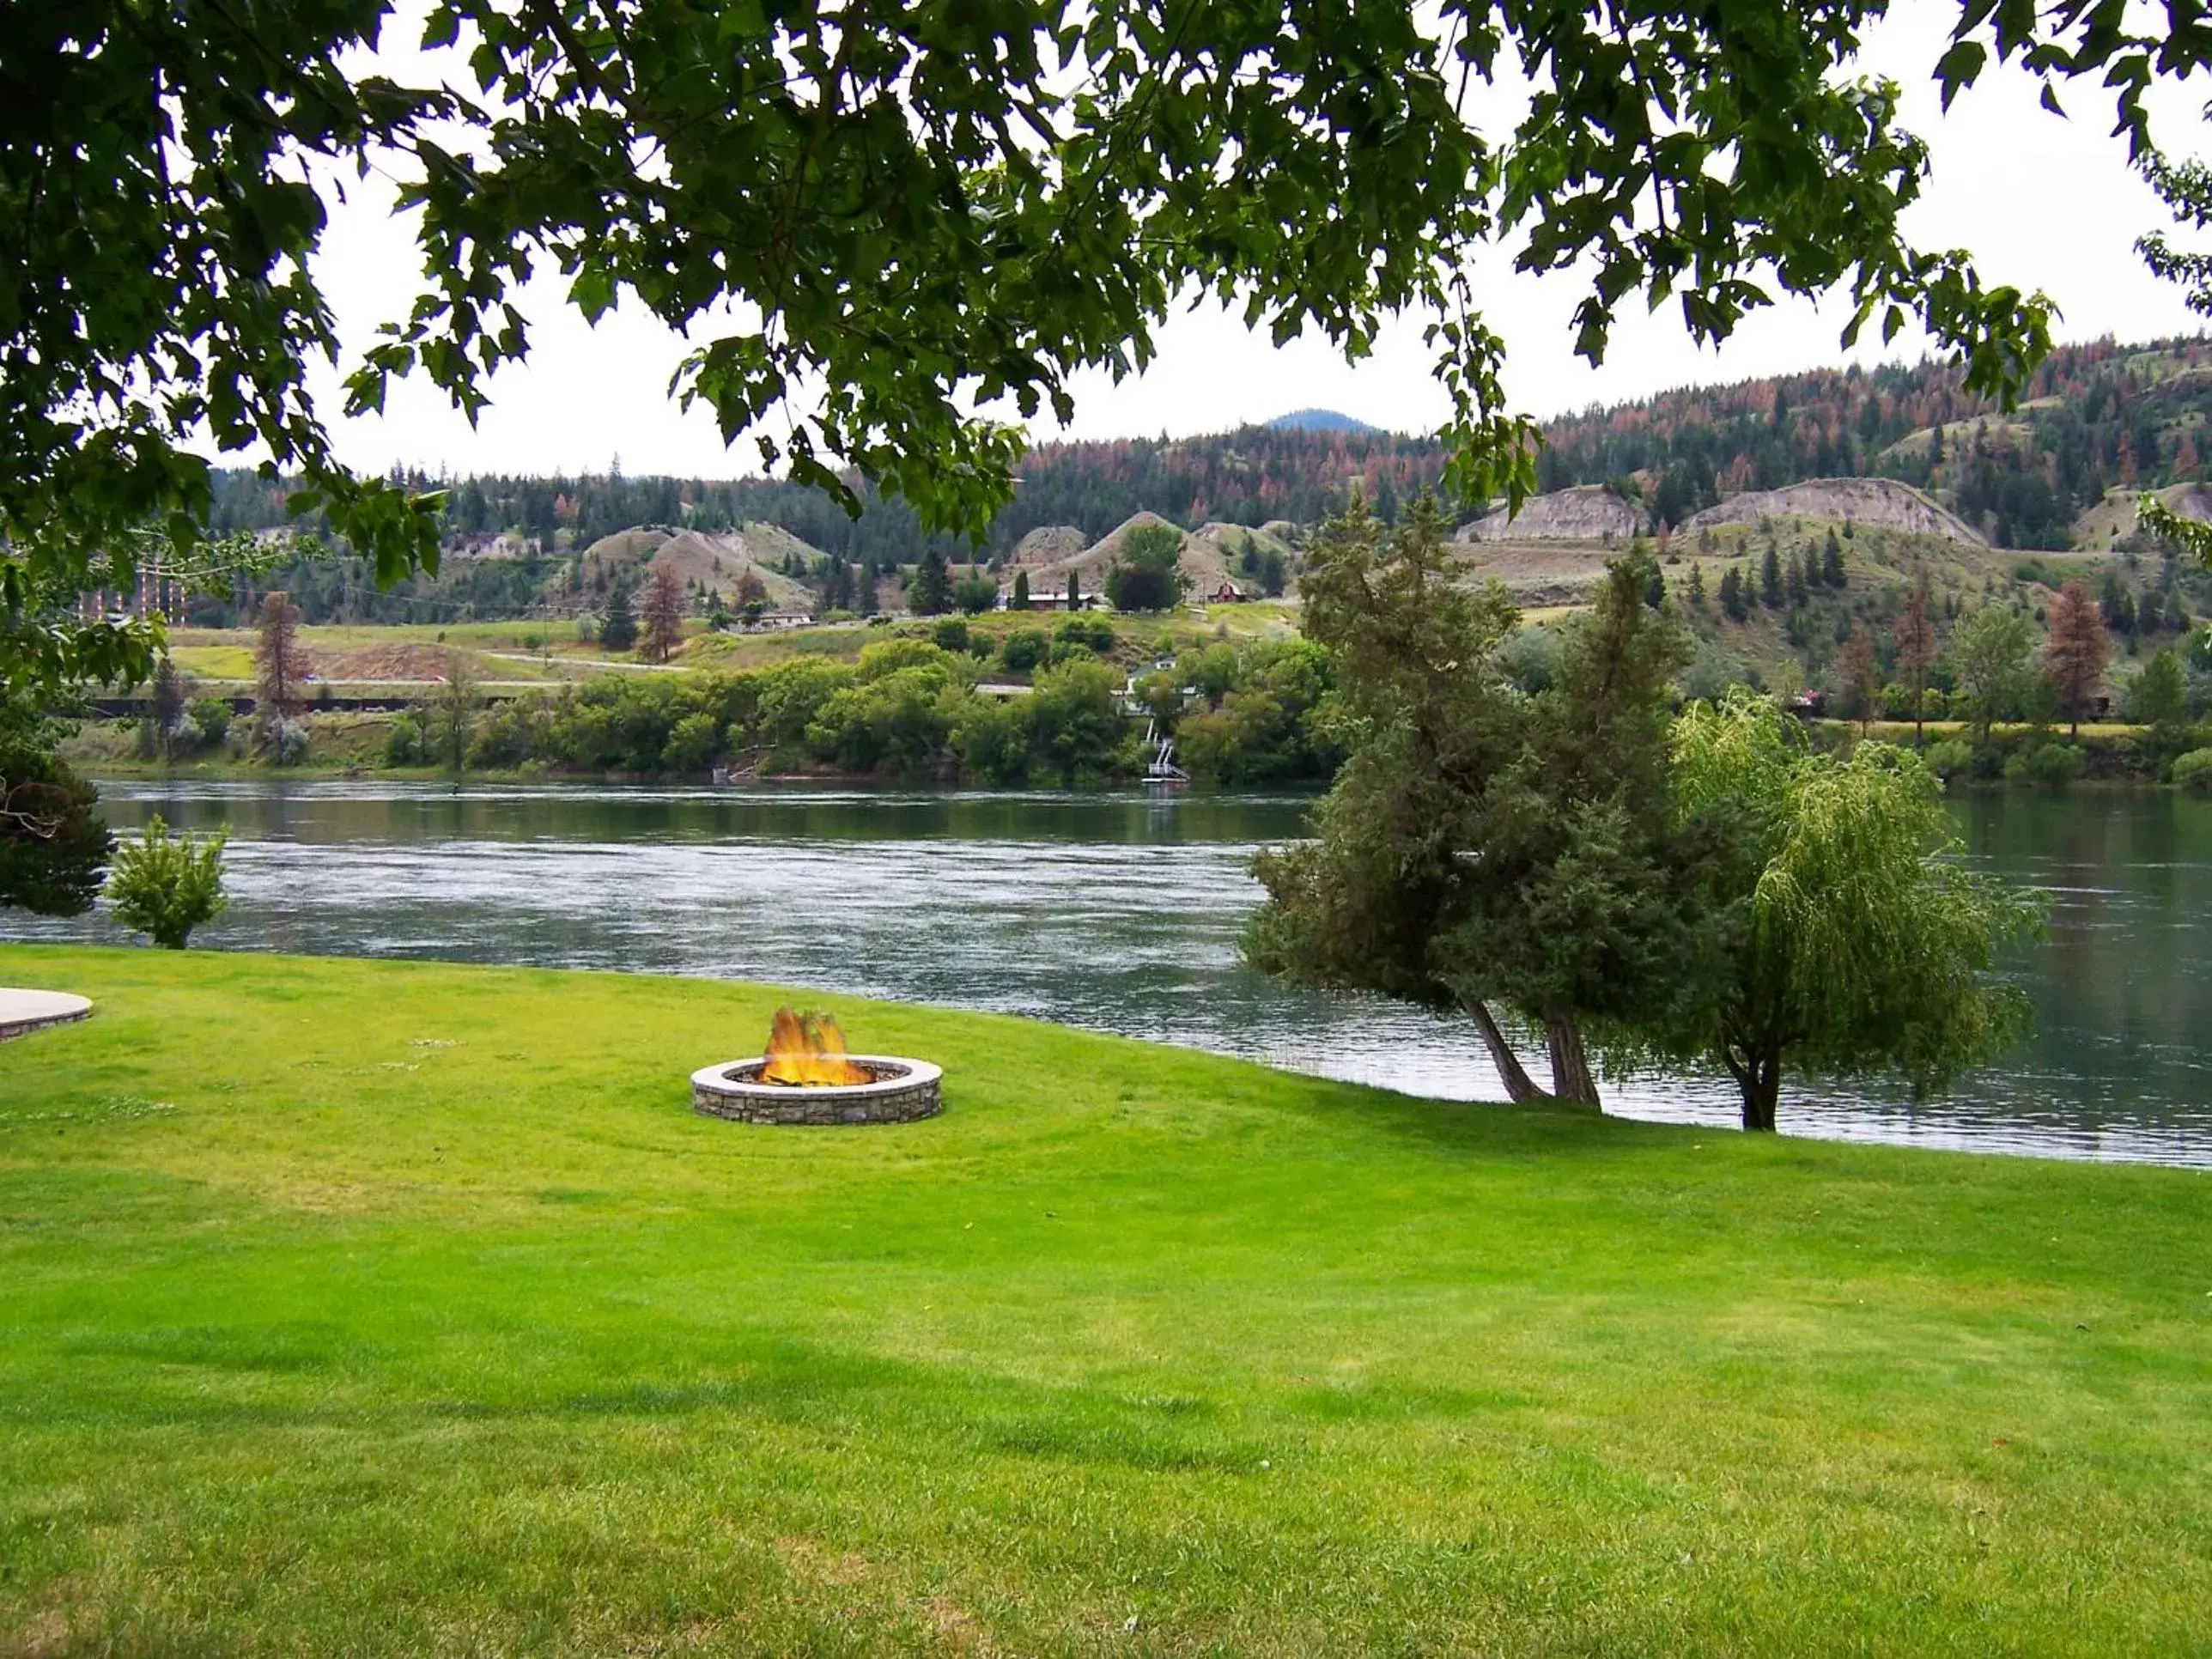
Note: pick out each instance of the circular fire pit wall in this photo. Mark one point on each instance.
(899, 1091)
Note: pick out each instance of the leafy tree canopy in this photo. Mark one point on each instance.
(892, 214)
(1853, 941)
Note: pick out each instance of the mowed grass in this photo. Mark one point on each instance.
(385, 1308)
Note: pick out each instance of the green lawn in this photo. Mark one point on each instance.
(382, 1308)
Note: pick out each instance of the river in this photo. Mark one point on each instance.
(1121, 913)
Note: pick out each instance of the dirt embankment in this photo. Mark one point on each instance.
(1874, 503)
(1587, 513)
(1050, 543)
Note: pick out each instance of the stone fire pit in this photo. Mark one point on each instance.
(899, 1091)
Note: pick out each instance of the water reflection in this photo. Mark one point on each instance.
(1122, 912)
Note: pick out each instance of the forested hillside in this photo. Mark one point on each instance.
(2096, 417)
(2099, 418)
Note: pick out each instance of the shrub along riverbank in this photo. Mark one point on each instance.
(395, 1308)
(948, 705)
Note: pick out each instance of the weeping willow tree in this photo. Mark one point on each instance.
(1852, 941)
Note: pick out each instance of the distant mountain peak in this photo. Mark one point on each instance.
(1322, 420)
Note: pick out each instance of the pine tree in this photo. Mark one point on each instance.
(1074, 592)
(279, 666)
(618, 630)
(1733, 605)
(1769, 578)
(2118, 605)
(170, 696)
(1832, 561)
(1916, 650)
(1858, 673)
(1021, 600)
(930, 593)
(1800, 589)
(2076, 651)
(1697, 587)
(663, 613)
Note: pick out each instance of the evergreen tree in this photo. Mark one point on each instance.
(663, 613)
(53, 843)
(1915, 641)
(1697, 587)
(1800, 590)
(1770, 576)
(1655, 583)
(930, 593)
(1832, 561)
(2118, 605)
(1074, 590)
(171, 694)
(279, 667)
(1021, 600)
(618, 628)
(1733, 605)
(2076, 651)
(1859, 674)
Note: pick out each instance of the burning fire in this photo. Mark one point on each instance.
(808, 1050)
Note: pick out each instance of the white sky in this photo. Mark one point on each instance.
(2041, 203)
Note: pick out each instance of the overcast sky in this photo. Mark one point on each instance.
(2042, 203)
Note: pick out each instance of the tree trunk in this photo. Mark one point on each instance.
(1572, 1081)
(1520, 1088)
(1760, 1077)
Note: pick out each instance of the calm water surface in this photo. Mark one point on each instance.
(1121, 913)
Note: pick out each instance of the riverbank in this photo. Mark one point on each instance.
(395, 1308)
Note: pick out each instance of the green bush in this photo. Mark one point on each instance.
(211, 719)
(951, 633)
(1024, 650)
(403, 743)
(695, 742)
(164, 886)
(2193, 771)
(2051, 765)
(1950, 757)
(1094, 632)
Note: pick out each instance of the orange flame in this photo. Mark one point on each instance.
(809, 1050)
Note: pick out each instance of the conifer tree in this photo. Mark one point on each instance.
(663, 613)
(931, 593)
(1733, 605)
(1770, 575)
(618, 628)
(1915, 641)
(279, 667)
(1831, 563)
(1859, 673)
(2076, 651)
(1697, 587)
(1021, 600)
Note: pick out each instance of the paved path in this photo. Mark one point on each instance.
(27, 1010)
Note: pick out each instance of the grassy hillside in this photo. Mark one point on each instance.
(398, 1309)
